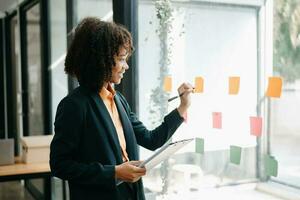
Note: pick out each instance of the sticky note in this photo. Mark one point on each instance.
(217, 120)
(168, 84)
(198, 84)
(199, 145)
(255, 126)
(274, 87)
(234, 85)
(271, 166)
(235, 154)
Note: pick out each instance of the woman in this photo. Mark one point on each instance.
(96, 134)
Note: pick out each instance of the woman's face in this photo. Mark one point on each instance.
(121, 66)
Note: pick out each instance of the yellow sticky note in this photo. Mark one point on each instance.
(198, 84)
(274, 87)
(234, 85)
(168, 84)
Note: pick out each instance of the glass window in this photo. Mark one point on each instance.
(285, 127)
(34, 81)
(95, 8)
(58, 43)
(34, 72)
(59, 79)
(214, 41)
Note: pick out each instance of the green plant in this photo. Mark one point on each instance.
(287, 39)
(158, 98)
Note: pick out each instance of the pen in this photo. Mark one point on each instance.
(175, 97)
(172, 98)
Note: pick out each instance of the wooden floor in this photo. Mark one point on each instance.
(14, 190)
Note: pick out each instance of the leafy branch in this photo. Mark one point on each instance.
(287, 39)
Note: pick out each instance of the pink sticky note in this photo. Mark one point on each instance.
(255, 126)
(217, 120)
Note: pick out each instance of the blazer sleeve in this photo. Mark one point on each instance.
(69, 125)
(153, 139)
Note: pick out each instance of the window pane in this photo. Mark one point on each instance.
(58, 35)
(215, 42)
(94, 8)
(59, 80)
(35, 104)
(285, 127)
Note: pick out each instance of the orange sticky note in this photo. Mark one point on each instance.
(234, 85)
(274, 87)
(217, 120)
(168, 84)
(198, 84)
(255, 126)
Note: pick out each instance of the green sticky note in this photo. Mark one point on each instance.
(199, 145)
(271, 166)
(235, 154)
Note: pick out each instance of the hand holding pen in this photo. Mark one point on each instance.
(175, 97)
(184, 92)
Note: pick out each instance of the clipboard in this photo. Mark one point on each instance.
(163, 153)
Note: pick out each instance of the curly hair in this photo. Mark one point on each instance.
(90, 57)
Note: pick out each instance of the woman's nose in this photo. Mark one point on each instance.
(126, 66)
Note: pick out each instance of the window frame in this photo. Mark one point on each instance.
(45, 63)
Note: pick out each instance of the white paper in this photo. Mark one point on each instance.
(163, 153)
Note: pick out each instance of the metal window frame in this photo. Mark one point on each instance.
(11, 119)
(45, 76)
(2, 84)
(45, 63)
(125, 12)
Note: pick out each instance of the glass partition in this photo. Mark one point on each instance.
(285, 126)
(94, 8)
(215, 41)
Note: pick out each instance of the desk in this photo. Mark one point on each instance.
(21, 171)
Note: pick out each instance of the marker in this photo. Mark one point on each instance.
(172, 98)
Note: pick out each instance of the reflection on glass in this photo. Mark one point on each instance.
(285, 127)
(35, 95)
(214, 42)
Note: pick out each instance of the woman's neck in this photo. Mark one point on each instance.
(105, 84)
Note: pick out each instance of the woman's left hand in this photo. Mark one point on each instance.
(185, 99)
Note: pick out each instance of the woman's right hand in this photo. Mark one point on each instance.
(185, 99)
(129, 171)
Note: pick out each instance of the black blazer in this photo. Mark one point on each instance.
(85, 147)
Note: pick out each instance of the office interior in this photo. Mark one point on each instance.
(182, 39)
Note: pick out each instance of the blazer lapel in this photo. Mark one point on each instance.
(128, 131)
(107, 121)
